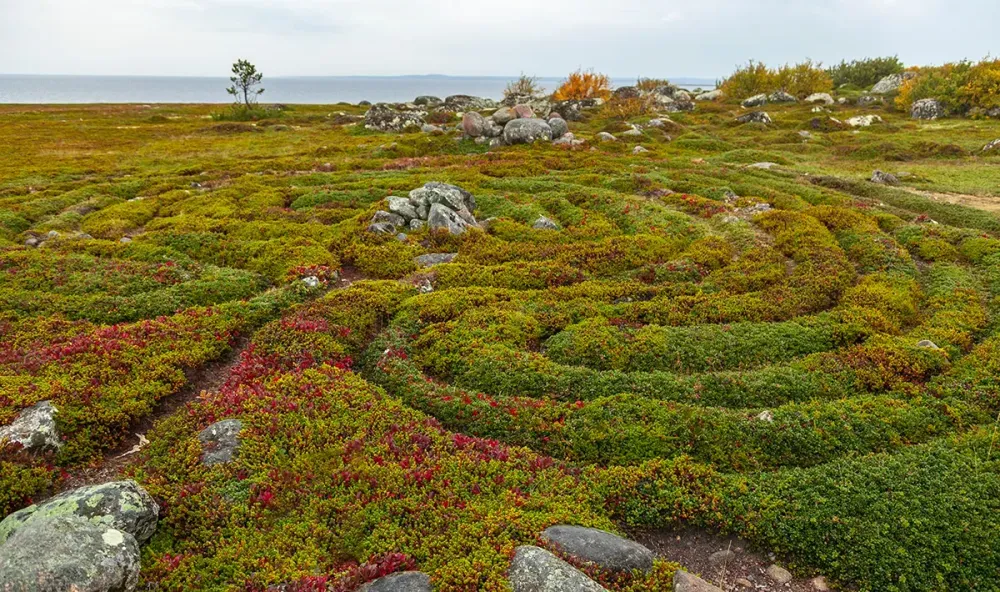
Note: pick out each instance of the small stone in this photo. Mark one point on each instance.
(34, 428)
(824, 98)
(639, 150)
(417, 224)
(884, 178)
(429, 129)
(779, 574)
(928, 344)
(401, 237)
(31, 241)
(819, 583)
(220, 441)
(536, 570)
(311, 281)
(407, 581)
(52, 234)
(720, 558)
(744, 583)
(634, 132)
(559, 127)
(657, 123)
(609, 551)
(766, 415)
(755, 117)
(763, 165)
(606, 137)
(686, 582)
(543, 223)
(863, 120)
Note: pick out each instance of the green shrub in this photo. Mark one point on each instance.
(864, 73)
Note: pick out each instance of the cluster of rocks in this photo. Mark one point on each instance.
(396, 117)
(438, 206)
(37, 240)
(667, 97)
(513, 125)
(85, 539)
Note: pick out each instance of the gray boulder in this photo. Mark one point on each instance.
(863, 120)
(503, 115)
(468, 103)
(122, 505)
(994, 145)
(442, 193)
(712, 95)
(543, 223)
(559, 127)
(434, 259)
(870, 100)
(34, 429)
(381, 228)
(474, 125)
(823, 98)
(891, 83)
(407, 581)
(526, 131)
(884, 178)
(781, 97)
(401, 206)
(604, 549)
(427, 101)
(755, 101)
(928, 344)
(221, 440)
(627, 92)
(536, 570)
(382, 117)
(754, 117)
(442, 217)
(779, 574)
(928, 109)
(685, 582)
(71, 554)
(429, 129)
(606, 137)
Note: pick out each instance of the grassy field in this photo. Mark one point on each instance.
(675, 355)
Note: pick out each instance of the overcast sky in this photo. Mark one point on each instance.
(697, 38)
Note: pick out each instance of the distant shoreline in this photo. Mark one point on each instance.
(38, 89)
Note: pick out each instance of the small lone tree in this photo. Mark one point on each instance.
(245, 79)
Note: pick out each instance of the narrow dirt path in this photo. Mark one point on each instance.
(204, 379)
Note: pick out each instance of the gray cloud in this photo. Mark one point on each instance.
(383, 37)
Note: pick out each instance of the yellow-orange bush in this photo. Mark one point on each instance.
(753, 79)
(801, 80)
(625, 108)
(584, 85)
(982, 89)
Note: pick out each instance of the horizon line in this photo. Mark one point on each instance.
(489, 76)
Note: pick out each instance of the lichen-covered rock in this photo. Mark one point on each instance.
(992, 146)
(863, 120)
(927, 109)
(221, 441)
(779, 574)
(543, 223)
(823, 98)
(384, 118)
(639, 150)
(434, 192)
(427, 101)
(429, 129)
(884, 178)
(754, 117)
(69, 554)
(434, 259)
(568, 139)
(627, 92)
(755, 101)
(442, 217)
(559, 127)
(685, 582)
(401, 206)
(680, 101)
(601, 548)
(536, 570)
(712, 95)
(870, 100)
(467, 103)
(473, 124)
(573, 110)
(524, 112)
(891, 83)
(526, 131)
(781, 97)
(606, 137)
(407, 581)
(122, 505)
(34, 429)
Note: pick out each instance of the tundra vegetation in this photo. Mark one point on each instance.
(733, 328)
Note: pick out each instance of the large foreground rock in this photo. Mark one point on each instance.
(69, 554)
(384, 118)
(526, 131)
(221, 440)
(536, 570)
(34, 429)
(122, 505)
(407, 581)
(604, 549)
(685, 582)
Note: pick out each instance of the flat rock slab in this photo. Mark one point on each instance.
(685, 582)
(122, 505)
(536, 570)
(407, 581)
(220, 441)
(434, 259)
(69, 553)
(609, 551)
